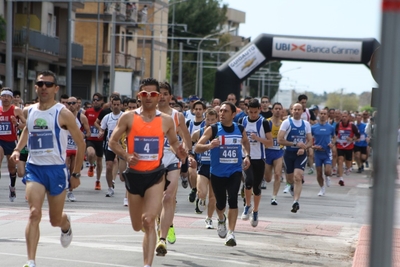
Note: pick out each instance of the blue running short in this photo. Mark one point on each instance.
(272, 154)
(322, 158)
(53, 177)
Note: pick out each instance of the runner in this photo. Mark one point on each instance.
(226, 166)
(144, 179)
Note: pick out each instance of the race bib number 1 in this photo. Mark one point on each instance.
(41, 140)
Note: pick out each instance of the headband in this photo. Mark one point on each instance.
(6, 92)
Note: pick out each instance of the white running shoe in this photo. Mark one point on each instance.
(209, 223)
(246, 213)
(287, 189)
(221, 230)
(12, 196)
(125, 202)
(202, 205)
(263, 184)
(254, 219)
(321, 192)
(327, 181)
(66, 238)
(230, 240)
(71, 196)
(30, 263)
(110, 192)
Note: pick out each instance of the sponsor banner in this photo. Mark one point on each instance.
(248, 60)
(297, 48)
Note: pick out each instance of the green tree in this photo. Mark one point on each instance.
(344, 102)
(271, 86)
(202, 17)
(2, 29)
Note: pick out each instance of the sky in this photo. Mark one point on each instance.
(315, 18)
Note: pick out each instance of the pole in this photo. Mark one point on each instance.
(96, 89)
(383, 196)
(152, 52)
(9, 42)
(269, 78)
(69, 50)
(112, 48)
(172, 47)
(201, 74)
(263, 86)
(180, 89)
(28, 27)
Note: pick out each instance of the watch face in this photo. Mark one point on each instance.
(76, 175)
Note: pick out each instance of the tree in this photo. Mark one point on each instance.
(271, 86)
(202, 17)
(2, 29)
(344, 102)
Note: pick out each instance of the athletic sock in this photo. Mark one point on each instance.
(13, 178)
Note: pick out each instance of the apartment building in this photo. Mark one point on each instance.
(39, 42)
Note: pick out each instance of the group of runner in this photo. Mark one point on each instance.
(213, 149)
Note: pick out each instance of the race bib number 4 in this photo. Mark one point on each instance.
(228, 154)
(147, 148)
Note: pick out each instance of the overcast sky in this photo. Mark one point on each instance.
(315, 18)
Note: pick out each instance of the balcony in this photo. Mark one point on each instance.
(125, 11)
(38, 41)
(76, 51)
(123, 61)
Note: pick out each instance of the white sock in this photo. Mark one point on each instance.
(341, 178)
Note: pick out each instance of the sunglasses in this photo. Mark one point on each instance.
(71, 103)
(172, 104)
(48, 84)
(147, 94)
(95, 99)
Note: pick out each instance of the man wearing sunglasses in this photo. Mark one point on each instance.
(46, 134)
(83, 125)
(94, 144)
(172, 164)
(11, 118)
(145, 179)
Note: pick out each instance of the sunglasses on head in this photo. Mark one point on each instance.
(71, 103)
(48, 84)
(147, 94)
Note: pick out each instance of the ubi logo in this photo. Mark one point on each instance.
(290, 47)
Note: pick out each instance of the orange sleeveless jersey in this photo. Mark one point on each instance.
(147, 140)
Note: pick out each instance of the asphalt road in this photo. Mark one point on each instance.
(323, 233)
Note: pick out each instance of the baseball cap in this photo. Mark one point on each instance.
(194, 98)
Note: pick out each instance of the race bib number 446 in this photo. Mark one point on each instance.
(228, 154)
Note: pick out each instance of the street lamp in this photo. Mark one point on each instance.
(225, 45)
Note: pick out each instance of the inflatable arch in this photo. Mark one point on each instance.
(267, 47)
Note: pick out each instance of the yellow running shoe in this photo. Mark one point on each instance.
(171, 238)
(161, 248)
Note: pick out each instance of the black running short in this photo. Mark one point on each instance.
(138, 182)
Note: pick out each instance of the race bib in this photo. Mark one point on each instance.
(71, 143)
(41, 141)
(205, 156)
(5, 128)
(147, 148)
(94, 132)
(229, 154)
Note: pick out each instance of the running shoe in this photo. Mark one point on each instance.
(197, 209)
(334, 171)
(341, 183)
(202, 205)
(274, 202)
(66, 238)
(184, 182)
(359, 170)
(327, 181)
(263, 184)
(295, 207)
(291, 190)
(254, 219)
(209, 223)
(71, 196)
(125, 202)
(192, 195)
(321, 192)
(287, 189)
(246, 213)
(221, 230)
(366, 164)
(30, 263)
(161, 248)
(12, 196)
(230, 240)
(311, 171)
(97, 185)
(90, 172)
(110, 192)
(171, 238)
(347, 171)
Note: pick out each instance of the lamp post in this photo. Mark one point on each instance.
(225, 45)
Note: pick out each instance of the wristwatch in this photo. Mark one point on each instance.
(76, 175)
(294, 143)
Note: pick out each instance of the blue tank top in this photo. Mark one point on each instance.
(227, 158)
(296, 133)
(204, 158)
(363, 142)
(322, 134)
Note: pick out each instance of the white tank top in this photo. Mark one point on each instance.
(71, 145)
(47, 141)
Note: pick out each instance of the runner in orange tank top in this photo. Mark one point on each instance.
(144, 179)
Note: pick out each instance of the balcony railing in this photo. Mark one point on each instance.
(37, 40)
(123, 61)
(126, 10)
(76, 51)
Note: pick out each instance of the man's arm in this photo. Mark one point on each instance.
(245, 143)
(20, 115)
(123, 127)
(103, 126)
(201, 145)
(85, 124)
(97, 124)
(177, 148)
(184, 132)
(195, 136)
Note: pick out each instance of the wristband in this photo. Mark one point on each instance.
(190, 153)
